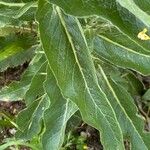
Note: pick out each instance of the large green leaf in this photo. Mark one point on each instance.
(132, 126)
(121, 55)
(69, 58)
(56, 116)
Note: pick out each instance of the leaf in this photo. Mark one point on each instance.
(135, 85)
(16, 13)
(35, 89)
(114, 46)
(30, 126)
(121, 56)
(146, 96)
(16, 90)
(56, 116)
(74, 122)
(24, 9)
(124, 77)
(144, 5)
(29, 120)
(18, 59)
(132, 125)
(69, 58)
(13, 142)
(14, 51)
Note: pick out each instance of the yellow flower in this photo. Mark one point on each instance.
(143, 36)
(85, 147)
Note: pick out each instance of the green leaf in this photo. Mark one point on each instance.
(17, 59)
(69, 58)
(132, 125)
(144, 5)
(16, 13)
(135, 86)
(121, 55)
(29, 120)
(30, 127)
(14, 51)
(122, 77)
(13, 142)
(16, 90)
(24, 9)
(56, 116)
(74, 122)
(146, 96)
(36, 86)
(114, 46)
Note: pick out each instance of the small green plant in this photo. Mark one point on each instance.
(85, 56)
(71, 140)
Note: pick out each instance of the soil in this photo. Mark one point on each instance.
(12, 74)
